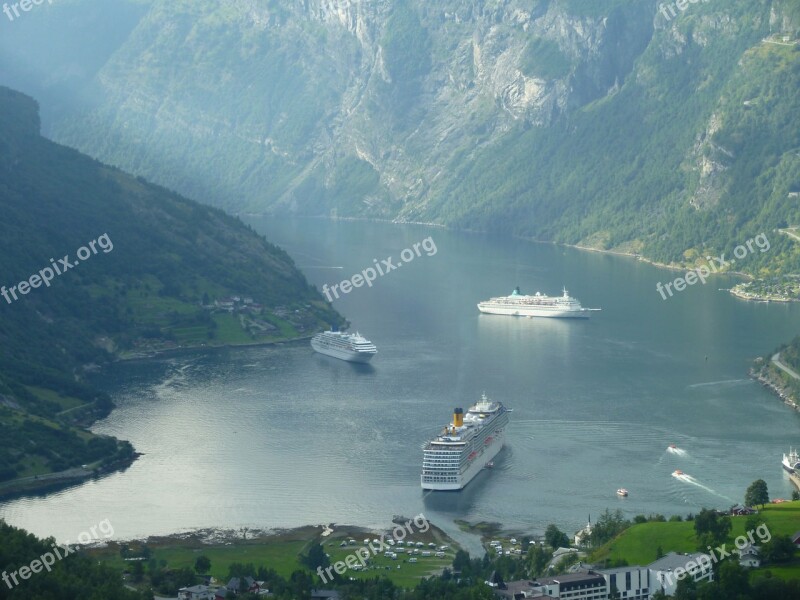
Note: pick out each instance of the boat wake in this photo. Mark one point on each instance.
(691, 480)
(723, 382)
(677, 451)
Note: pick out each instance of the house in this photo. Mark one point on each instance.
(253, 586)
(749, 556)
(796, 539)
(324, 595)
(225, 304)
(496, 581)
(196, 592)
(741, 511)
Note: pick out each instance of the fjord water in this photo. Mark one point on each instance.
(280, 436)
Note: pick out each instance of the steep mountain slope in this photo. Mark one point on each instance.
(631, 125)
(138, 262)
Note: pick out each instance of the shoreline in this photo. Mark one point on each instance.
(622, 253)
(49, 483)
(193, 349)
(44, 485)
(777, 389)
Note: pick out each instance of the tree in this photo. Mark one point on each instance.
(137, 574)
(538, 558)
(779, 549)
(608, 526)
(757, 493)
(686, 589)
(202, 564)
(711, 528)
(795, 495)
(733, 579)
(316, 557)
(555, 538)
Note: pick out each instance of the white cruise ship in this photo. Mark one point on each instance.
(454, 457)
(537, 305)
(352, 347)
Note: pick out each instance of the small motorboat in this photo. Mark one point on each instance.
(490, 464)
(622, 492)
(677, 472)
(672, 447)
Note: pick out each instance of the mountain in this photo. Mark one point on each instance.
(143, 269)
(667, 130)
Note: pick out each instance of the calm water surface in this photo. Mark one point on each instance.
(281, 436)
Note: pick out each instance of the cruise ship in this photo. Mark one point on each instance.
(352, 347)
(537, 305)
(454, 457)
(791, 462)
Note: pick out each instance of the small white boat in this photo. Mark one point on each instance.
(622, 492)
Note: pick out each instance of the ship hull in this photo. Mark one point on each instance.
(348, 355)
(475, 467)
(528, 311)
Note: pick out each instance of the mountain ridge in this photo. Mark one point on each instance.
(610, 127)
(146, 267)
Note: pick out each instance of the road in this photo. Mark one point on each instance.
(776, 359)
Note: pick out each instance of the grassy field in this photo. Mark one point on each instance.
(280, 552)
(283, 551)
(637, 544)
(400, 571)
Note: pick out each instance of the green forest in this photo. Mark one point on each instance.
(152, 287)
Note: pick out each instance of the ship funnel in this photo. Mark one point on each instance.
(458, 417)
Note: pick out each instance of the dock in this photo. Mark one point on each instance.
(795, 478)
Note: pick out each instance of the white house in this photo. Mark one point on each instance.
(749, 556)
(196, 592)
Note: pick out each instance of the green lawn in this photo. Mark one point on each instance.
(407, 575)
(281, 555)
(282, 552)
(638, 544)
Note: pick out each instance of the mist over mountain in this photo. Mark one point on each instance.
(623, 125)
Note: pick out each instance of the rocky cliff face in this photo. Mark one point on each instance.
(307, 88)
(600, 123)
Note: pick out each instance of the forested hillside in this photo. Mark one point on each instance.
(142, 269)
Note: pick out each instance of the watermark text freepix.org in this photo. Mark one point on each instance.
(716, 264)
(47, 274)
(720, 552)
(681, 4)
(60, 551)
(24, 5)
(361, 555)
(383, 267)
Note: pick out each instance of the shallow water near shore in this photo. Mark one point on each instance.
(278, 436)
